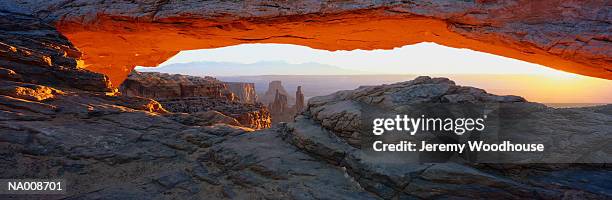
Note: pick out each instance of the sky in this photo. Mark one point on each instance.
(422, 58)
(535, 82)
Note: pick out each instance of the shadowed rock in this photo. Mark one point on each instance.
(132, 152)
(33, 51)
(57, 120)
(330, 129)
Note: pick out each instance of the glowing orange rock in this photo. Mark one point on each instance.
(569, 36)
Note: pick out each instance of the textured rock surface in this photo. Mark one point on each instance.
(279, 107)
(270, 94)
(341, 111)
(254, 116)
(283, 106)
(191, 94)
(33, 51)
(171, 86)
(56, 120)
(576, 134)
(299, 100)
(116, 36)
(245, 92)
(135, 153)
(328, 129)
(207, 118)
(280, 104)
(110, 149)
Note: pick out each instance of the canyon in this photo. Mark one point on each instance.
(276, 88)
(191, 94)
(244, 91)
(133, 148)
(280, 102)
(61, 114)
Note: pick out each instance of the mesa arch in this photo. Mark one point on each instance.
(114, 38)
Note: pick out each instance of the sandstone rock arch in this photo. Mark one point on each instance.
(115, 37)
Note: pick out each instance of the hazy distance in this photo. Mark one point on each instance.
(322, 72)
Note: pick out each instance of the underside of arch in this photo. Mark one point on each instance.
(113, 44)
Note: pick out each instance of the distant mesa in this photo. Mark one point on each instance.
(169, 86)
(275, 87)
(209, 98)
(191, 94)
(280, 104)
(299, 99)
(245, 92)
(280, 110)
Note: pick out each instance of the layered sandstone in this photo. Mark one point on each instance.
(170, 86)
(190, 94)
(280, 110)
(245, 92)
(275, 87)
(116, 36)
(33, 51)
(255, 116)
(299, 100)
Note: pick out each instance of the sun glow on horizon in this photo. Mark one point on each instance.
(496, 74)
(421, 58)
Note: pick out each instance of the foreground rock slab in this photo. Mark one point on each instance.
(108, 148)
(124, 148)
